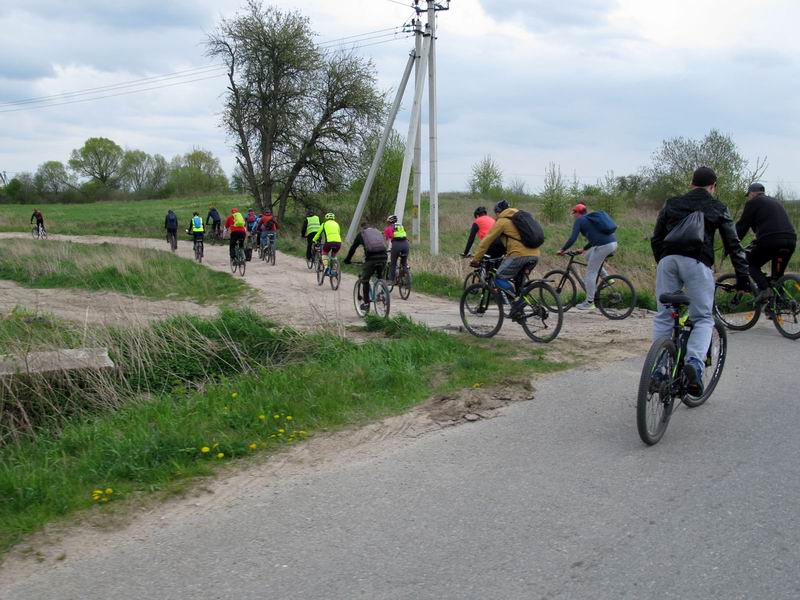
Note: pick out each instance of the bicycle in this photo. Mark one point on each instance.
(484, 306)
(215, 234)
(172, 240)
(615, 296)
(379, 296)
(316, 256)
(198, 250)
(333, 272)
(402, 279)
(239, 261)
(478, 274)
(663, 378)
(38, 232)
(267, 249)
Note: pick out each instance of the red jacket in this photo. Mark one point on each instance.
(229, 225)
(262, 223)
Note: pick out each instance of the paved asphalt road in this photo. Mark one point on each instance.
(557, 498)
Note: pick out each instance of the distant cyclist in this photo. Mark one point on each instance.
(215, 219)
(686, 264)
(252, 221)
(267, 225)
(236, 224)
(396, 234)
(311, 226)
(196, 228)
(598, 229)
(776, 238)
(374, 258)
(39, 218)
(481, 225)
(171, 225)
(333, 239)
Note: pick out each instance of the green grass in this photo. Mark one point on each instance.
(110, 267)
(319, 380)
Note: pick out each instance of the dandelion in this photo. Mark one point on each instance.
(215, 446)
(104, 499)
(276, 416)
(221, 455)
(281, 431)
(234, 395)
(253, 446)
(262, 417)
(97, 493)
(109, 491)
(288, 417)
(205, 449)
(476, 385)
(302, 432)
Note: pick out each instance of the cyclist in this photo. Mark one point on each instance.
(171, 225)
(267, 225)
(196, 228)
(374, 258)
(396, 234)
(518, 255)
(236, 224)
(213, 216)
(311, 226)
(252, 221)
(776, 238)
(480, 227)
(598, 229)
(333, 239)
(687, 264)
(39, 218)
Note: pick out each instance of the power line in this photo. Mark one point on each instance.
(347, 37)
(358, 41)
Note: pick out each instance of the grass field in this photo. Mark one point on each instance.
(110, 267)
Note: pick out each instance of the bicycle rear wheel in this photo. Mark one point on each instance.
(381, 298)
(35, 233)
(336, 275)
(654, 401)
(320, 272)
(273, 251)
(615, 297)
(714, 363)
(786, 303)
(737, 310)
(564, 285)
(405, 284)
(242, 263)
(542, 313)
(387, 280)
(481, 311)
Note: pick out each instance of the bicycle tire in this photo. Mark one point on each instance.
(310, 262)
(335, 277)
(272, 254)
(541, 302)
(564, 284)
(786, 315)
(738, 311)
(478, 303)
(653, 411)
(615, 297)
(35, 233)
(234, 266)
(381, 298)
(405, 284)
(357, 300)
(715, 362)
(242, 261)
(320, 272)
(387, 280)
(43, 234)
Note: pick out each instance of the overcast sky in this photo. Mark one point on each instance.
(593, 85)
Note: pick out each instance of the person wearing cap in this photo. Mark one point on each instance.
(598, 229)
(481, 225)
(776, 238)
(688, 266)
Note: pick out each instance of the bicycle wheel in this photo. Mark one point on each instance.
(320, 272)
(273, 252)
(481, 311)
(737, 310)
(405, 284)
(198, 252)
(387, 280)
(310, 263)
(35, 233)
(381, 298)
(563, 283)
(654, 401)
(471, 279)
(336, 275)
(786, 305)
(242, 262)
(43, 234)
(234, 266)
(542, 314)
(358, 299)
(714, 363)
(615, 297)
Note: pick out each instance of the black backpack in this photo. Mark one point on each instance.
(531, 233)
(172, 221)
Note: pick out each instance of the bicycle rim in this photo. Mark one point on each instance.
(481, 312)
(654, 401)
(786, 303)
(715, 362)
(382, 299)
(405, 284)
(542, 314)
(615, 297)
(738, 311)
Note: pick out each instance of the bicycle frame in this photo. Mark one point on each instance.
(571, 270)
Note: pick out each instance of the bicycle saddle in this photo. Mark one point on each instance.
(675, 299)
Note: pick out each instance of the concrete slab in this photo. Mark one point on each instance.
(55, 361)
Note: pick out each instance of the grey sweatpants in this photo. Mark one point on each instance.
(596, 255)
(676, 273)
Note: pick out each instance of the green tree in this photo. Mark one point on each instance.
(52, 179)
(487, 178)
(197, 172)
(143, 174)
(554, 195)
(22, 189)
(383, 194)
(98, 158)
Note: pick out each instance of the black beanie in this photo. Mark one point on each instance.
(703, 177)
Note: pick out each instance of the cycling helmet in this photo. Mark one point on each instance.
(267, 211)
(309, 212)
(330, 216)
(392, 219)
(500, 206)
(481, 210)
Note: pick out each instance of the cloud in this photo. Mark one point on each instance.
(546, 15)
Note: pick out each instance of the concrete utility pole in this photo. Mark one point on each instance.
(416, 231)
(433, 151)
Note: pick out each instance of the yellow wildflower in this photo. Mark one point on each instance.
(97, 492)
(281, 431)
(262, 417)
(234, 395)
(221, 455)
(288, 417)
(276, 416)
(109, 491)
(253, 446)
(205, 449)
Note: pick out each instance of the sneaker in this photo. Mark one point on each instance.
(694, 377)
(516, 310)
(585, 305)
(658, 378)
(365, 306)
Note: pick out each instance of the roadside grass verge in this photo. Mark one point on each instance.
(171, 421)
(110, 267)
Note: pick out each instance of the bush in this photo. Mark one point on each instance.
(554, 198)
(487, 179)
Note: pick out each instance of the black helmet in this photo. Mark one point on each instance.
(309, 212)
(481, 210)
(500, 206)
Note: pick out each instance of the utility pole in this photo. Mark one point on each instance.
(433, 194)
(416, 231)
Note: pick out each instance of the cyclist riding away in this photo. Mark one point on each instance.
(252, 221)
(310, 228)
(480, 227)
(683, 246)
(333, 239)
(518, 255)
(396, 234)
(213, 216)
(374, 258)
(171, 225)
(39, 218)
(776, 238)
(196, 228)
(266, 225)
(236, 224)
(598, 229)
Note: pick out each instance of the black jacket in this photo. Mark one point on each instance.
(768, 219)
(717, 217)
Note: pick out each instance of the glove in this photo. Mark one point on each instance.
(475, 263)
(743, 284)
(560, 252)
(580, 251)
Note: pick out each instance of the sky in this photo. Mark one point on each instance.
(591, 85)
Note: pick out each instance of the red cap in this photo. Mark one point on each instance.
(579, 208)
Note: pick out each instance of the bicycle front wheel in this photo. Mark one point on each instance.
(272, 254)
(615, 297)
(405, 284)
(654, 402)
(737, 310)
(564, 285)
(786, 305)
(472, 279)
(714, 363)
(358, 298)
(35, 232)
(381, 298)
(542, 313)
(481, 311)
(233, 265)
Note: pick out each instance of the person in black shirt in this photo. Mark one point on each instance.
(374, 258)
(776, 238)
